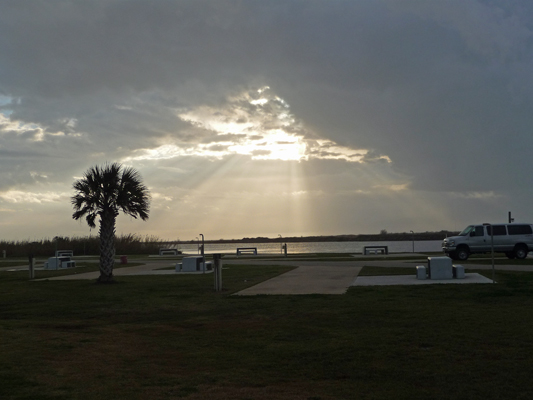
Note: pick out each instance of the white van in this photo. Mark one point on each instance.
(515, 240)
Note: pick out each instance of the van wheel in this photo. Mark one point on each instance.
(510, 254)
(521, 252)
(462, 253)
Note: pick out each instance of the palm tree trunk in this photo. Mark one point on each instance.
(107, 246)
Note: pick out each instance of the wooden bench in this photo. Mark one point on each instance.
(375, 250)
(61, 253)
(246, 250)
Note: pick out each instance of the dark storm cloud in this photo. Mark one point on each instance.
(402, 77)
(442, 88)
(438, 93)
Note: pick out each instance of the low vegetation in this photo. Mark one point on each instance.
(167, 337)
(125, 244)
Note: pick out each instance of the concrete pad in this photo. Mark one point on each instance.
(307, 280)
(387, 280)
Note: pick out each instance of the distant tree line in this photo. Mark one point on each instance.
(127, 244)
(382, 236)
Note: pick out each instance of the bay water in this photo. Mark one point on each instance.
(314, 247)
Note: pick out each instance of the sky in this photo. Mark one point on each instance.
(265, 118)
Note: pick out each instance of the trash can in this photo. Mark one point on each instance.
(123, 259)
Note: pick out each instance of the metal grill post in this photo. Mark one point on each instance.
(217, 259)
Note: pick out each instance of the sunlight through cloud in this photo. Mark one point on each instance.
(18, 196)
(258, 124)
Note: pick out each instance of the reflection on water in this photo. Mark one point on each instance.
(316, 247)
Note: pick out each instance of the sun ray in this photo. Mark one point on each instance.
(247, 169)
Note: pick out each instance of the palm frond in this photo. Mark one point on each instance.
(111, 188)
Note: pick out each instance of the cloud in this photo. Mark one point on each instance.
(17, 196)
(493, 31)
(348, 99)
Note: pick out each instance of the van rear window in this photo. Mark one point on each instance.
(499, 230)
(519, 229)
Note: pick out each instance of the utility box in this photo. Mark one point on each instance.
(440, 268)
(421, 272)
(458, 272)
(54, 263)
(193, 264)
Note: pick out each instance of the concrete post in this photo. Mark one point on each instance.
(203, 255)
(217, 260)
(31, 266)
(491, 247)
(4, 253)
(492, 251)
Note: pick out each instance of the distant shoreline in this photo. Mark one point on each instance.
(337, 238)
(136, 244)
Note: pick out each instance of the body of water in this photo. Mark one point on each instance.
(315, 247)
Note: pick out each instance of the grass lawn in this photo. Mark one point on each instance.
(167, 337)
(487, 260)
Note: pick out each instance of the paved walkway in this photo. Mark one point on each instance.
(307, 280)
(396, 280)
(335, 277)
(309, 277)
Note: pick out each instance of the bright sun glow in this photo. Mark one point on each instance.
(274, 145)
(258, 124)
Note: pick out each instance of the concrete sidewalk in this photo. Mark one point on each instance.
(315, 279)
(312, 277)
(335, 277)
(395, 280)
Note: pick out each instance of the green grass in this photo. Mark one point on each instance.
(168, 337)
(497, 261)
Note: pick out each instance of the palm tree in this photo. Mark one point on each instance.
(103, 192)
